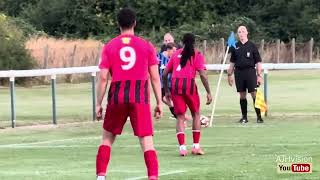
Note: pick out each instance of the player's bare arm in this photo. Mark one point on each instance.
(259, 73)
(230, 72)
(155, 82)
(204, 80)
(101, 90)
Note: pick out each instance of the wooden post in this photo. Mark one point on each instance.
(44, 79)
(317, 49)
(153, 32)
(262, 48)
(293, 50)
(204, 47)
(311, 50)
(69, 78)
(98, 56)
(46, 57)
(278, 50)
(223, 47)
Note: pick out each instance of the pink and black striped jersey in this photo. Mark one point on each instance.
(128, 59)
(183, 79)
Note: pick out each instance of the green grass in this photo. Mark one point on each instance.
(233, 151)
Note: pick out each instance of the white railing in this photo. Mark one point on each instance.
(12, 74)
(90, 69)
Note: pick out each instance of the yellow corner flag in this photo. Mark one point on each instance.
(260, 103)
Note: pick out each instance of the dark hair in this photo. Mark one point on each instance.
(126, 18)
(170, 46)
(188, 50)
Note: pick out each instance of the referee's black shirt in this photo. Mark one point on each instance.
(245, 55)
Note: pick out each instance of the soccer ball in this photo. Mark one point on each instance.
(204, 121)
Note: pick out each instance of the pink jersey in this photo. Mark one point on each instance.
(183, 78)
(196, 63)
(128, 58)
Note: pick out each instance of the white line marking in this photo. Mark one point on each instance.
(10, 173)
(75, 139)
(242, 126)
(161, 174)
(52, 141)
(156, 146)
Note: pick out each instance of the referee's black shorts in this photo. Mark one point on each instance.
(246, 79)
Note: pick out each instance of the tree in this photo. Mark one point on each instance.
(13, 55)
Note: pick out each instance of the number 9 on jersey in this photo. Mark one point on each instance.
(128, 55)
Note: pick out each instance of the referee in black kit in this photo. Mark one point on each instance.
(245, 62)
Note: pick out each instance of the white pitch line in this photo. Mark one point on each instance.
(124, 134)
(156, 146)
(51, 141)
(40, 172)
(229, 145)
(242, 126)
(72, 139)
(161, 174)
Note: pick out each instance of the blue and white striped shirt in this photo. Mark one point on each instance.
(163, 61)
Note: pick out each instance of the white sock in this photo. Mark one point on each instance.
(183, 147)
(101, 178)
(196, 145)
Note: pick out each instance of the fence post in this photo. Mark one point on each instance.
(204, 47)
(262, 48)
(311, 50)
(265, 88)
(223, 50)
(278, 51)
(13, 102)
(69, 78)
(93, 82)
(317, 49)
(293, 50)
(45, 61)
(53, 94)
(98, 56)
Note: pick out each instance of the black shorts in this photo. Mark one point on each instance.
(163, 93)
(246, 79)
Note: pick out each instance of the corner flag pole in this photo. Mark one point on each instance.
(218, 87)
(231, 42)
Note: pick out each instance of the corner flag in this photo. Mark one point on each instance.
(231, 43)
(260, 103)
(232, 40)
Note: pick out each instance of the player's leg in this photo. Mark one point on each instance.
(171, 107)
(241, 88)
(180, 133)
(141, 122)
(168, 103)
(193, 102)
(116, 117)
(150, 156)
(180, 110)
(103, 155)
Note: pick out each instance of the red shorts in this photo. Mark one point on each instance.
(181, 101)
(140, 118)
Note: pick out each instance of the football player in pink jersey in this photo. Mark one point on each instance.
(184, 65)
(131, 63)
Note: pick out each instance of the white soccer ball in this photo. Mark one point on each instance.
(204, 121)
